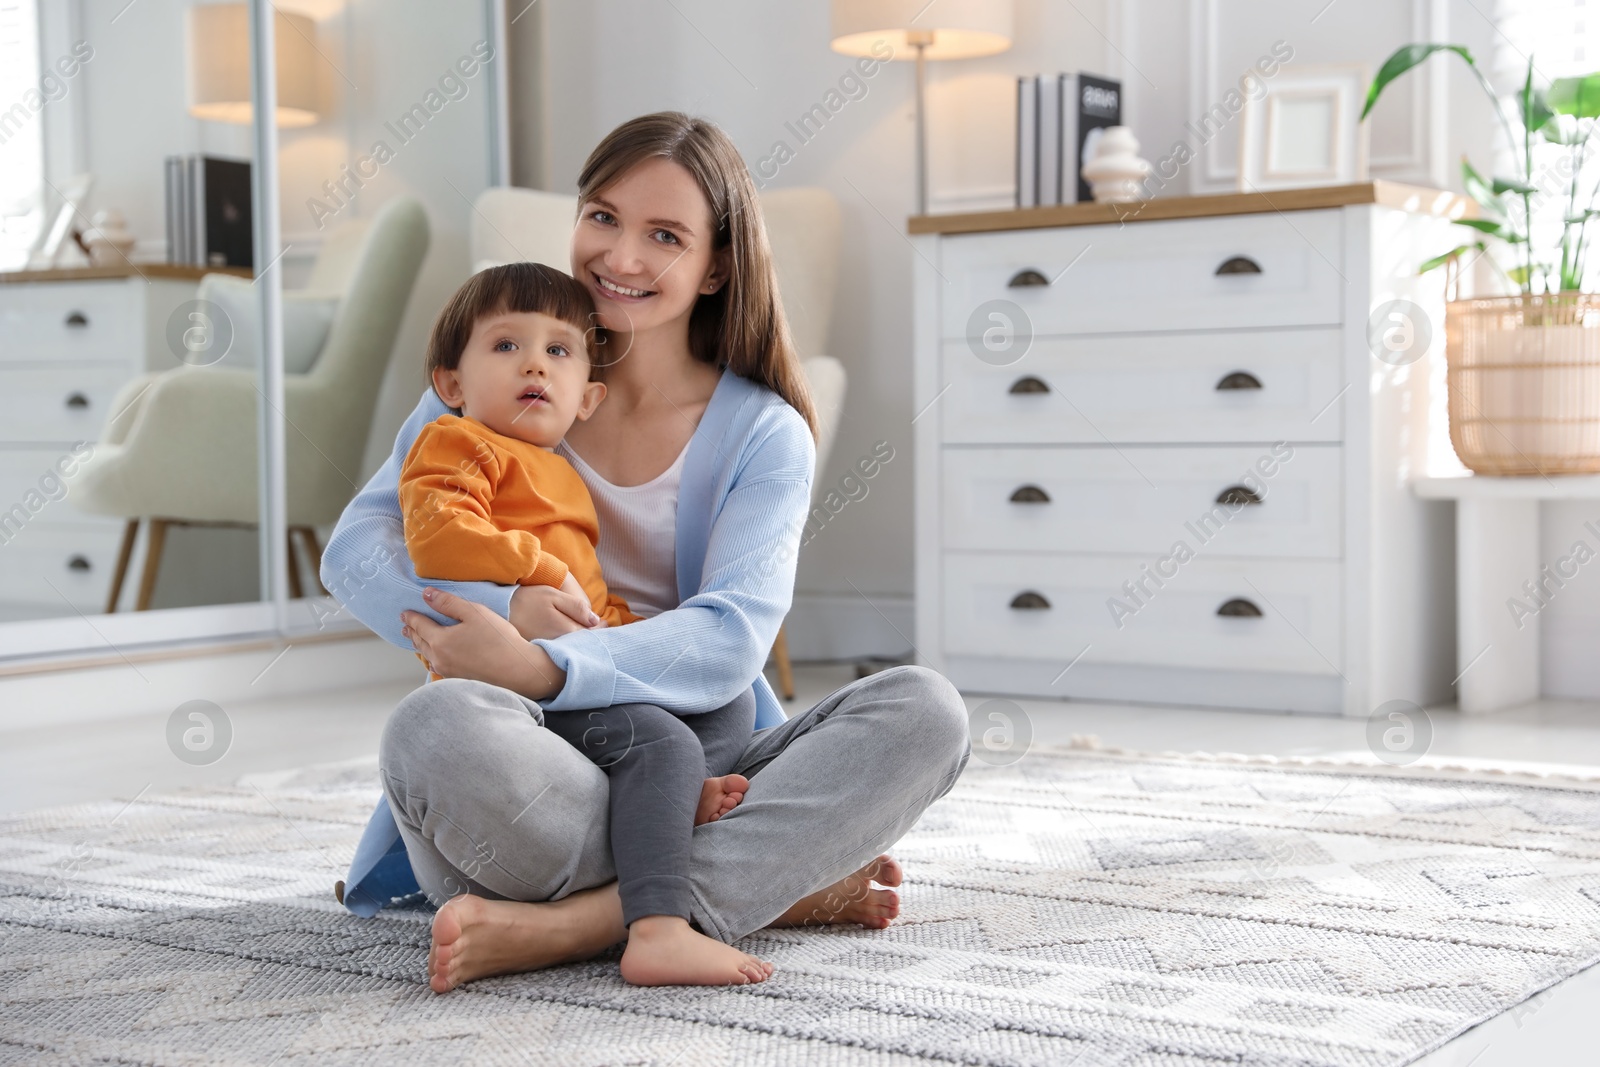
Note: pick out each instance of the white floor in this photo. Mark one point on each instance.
(47, 766)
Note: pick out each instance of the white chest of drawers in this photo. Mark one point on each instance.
(69, 340)
(1190, 485)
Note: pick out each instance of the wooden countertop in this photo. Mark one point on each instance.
(173, 271)
(1412, 198)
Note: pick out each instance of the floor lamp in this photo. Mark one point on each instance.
(922, 30)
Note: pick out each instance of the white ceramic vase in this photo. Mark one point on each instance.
(1116, 174)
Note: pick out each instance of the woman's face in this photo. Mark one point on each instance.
(643, 247)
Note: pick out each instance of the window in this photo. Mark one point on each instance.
(1560, 35)
(21, 131)
(1562, 38)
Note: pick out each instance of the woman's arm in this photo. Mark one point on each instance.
(365, 565)
(703, 653)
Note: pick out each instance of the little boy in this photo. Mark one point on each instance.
(484, 498)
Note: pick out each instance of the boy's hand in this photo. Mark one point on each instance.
(570, 585)
(539, 611)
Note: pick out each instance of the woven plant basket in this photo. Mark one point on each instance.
(1524, 383)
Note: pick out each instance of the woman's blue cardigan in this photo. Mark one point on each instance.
(741, 505)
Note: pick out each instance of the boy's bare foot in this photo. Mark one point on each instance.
(666, 950)
(852, 899)
(719, 796)
(475, 938)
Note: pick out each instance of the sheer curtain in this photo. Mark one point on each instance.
(21, 130)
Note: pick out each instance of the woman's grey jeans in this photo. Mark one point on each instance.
(490, 802)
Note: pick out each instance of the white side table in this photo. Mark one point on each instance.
(1497, 550)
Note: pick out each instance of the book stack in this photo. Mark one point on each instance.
(209, 223)
(1059, 117)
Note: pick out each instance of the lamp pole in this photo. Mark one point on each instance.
(920, 40)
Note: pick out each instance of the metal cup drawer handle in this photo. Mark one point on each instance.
(1026, 278)
(1028, 384)
(1239, 608)
(1238, 494)
(1239, 265)
(1030, 601)
(77, 319)
(77, 400)
(78, 563)
(1030, 494)
(1239, 379)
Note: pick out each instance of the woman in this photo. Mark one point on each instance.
(700, 463)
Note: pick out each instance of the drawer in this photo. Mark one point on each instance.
(1144, 500)
(1275, 270)
(58, 404)
(1259, 385)
(1175, 625)
(39, 471)
(55, 565)
(95, 320)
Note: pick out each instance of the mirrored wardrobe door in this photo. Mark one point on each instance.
(128, 369)
(377, 211)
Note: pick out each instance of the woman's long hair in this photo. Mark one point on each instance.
(741, 326)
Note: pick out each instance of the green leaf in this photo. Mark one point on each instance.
(1479, 190)
(1579, 97)
(1511, 185)
(1563, 130)
(1519, 275)
(1439, 261)
(1488, 226)
(1532, 107)
(1404, 59)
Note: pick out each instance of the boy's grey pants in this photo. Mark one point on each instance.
(657, 764)
(490, 802)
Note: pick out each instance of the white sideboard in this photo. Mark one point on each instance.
(1181, 476)
(69, 340)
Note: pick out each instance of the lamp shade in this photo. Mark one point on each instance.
(951, 29)
(219, 65)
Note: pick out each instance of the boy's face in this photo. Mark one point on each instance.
(523, 374)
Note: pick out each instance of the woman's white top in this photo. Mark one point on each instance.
(638, 547)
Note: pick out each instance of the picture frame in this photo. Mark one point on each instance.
(74, 191)
(1305, 129)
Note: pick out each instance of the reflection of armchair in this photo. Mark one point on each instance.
(181, 446)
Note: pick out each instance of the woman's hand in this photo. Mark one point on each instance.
(539, 611)
(482, 646)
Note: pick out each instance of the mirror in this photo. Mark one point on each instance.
(125, 468)
(130, 353)
(376, 206)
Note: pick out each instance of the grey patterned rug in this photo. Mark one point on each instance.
(1079, 907)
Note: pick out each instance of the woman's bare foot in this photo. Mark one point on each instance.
(851, 899)
(666, 950)
(719, 796)
(475, 938)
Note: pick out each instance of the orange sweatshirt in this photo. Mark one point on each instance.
(479, 506)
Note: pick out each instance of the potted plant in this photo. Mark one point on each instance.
(1524, 369)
